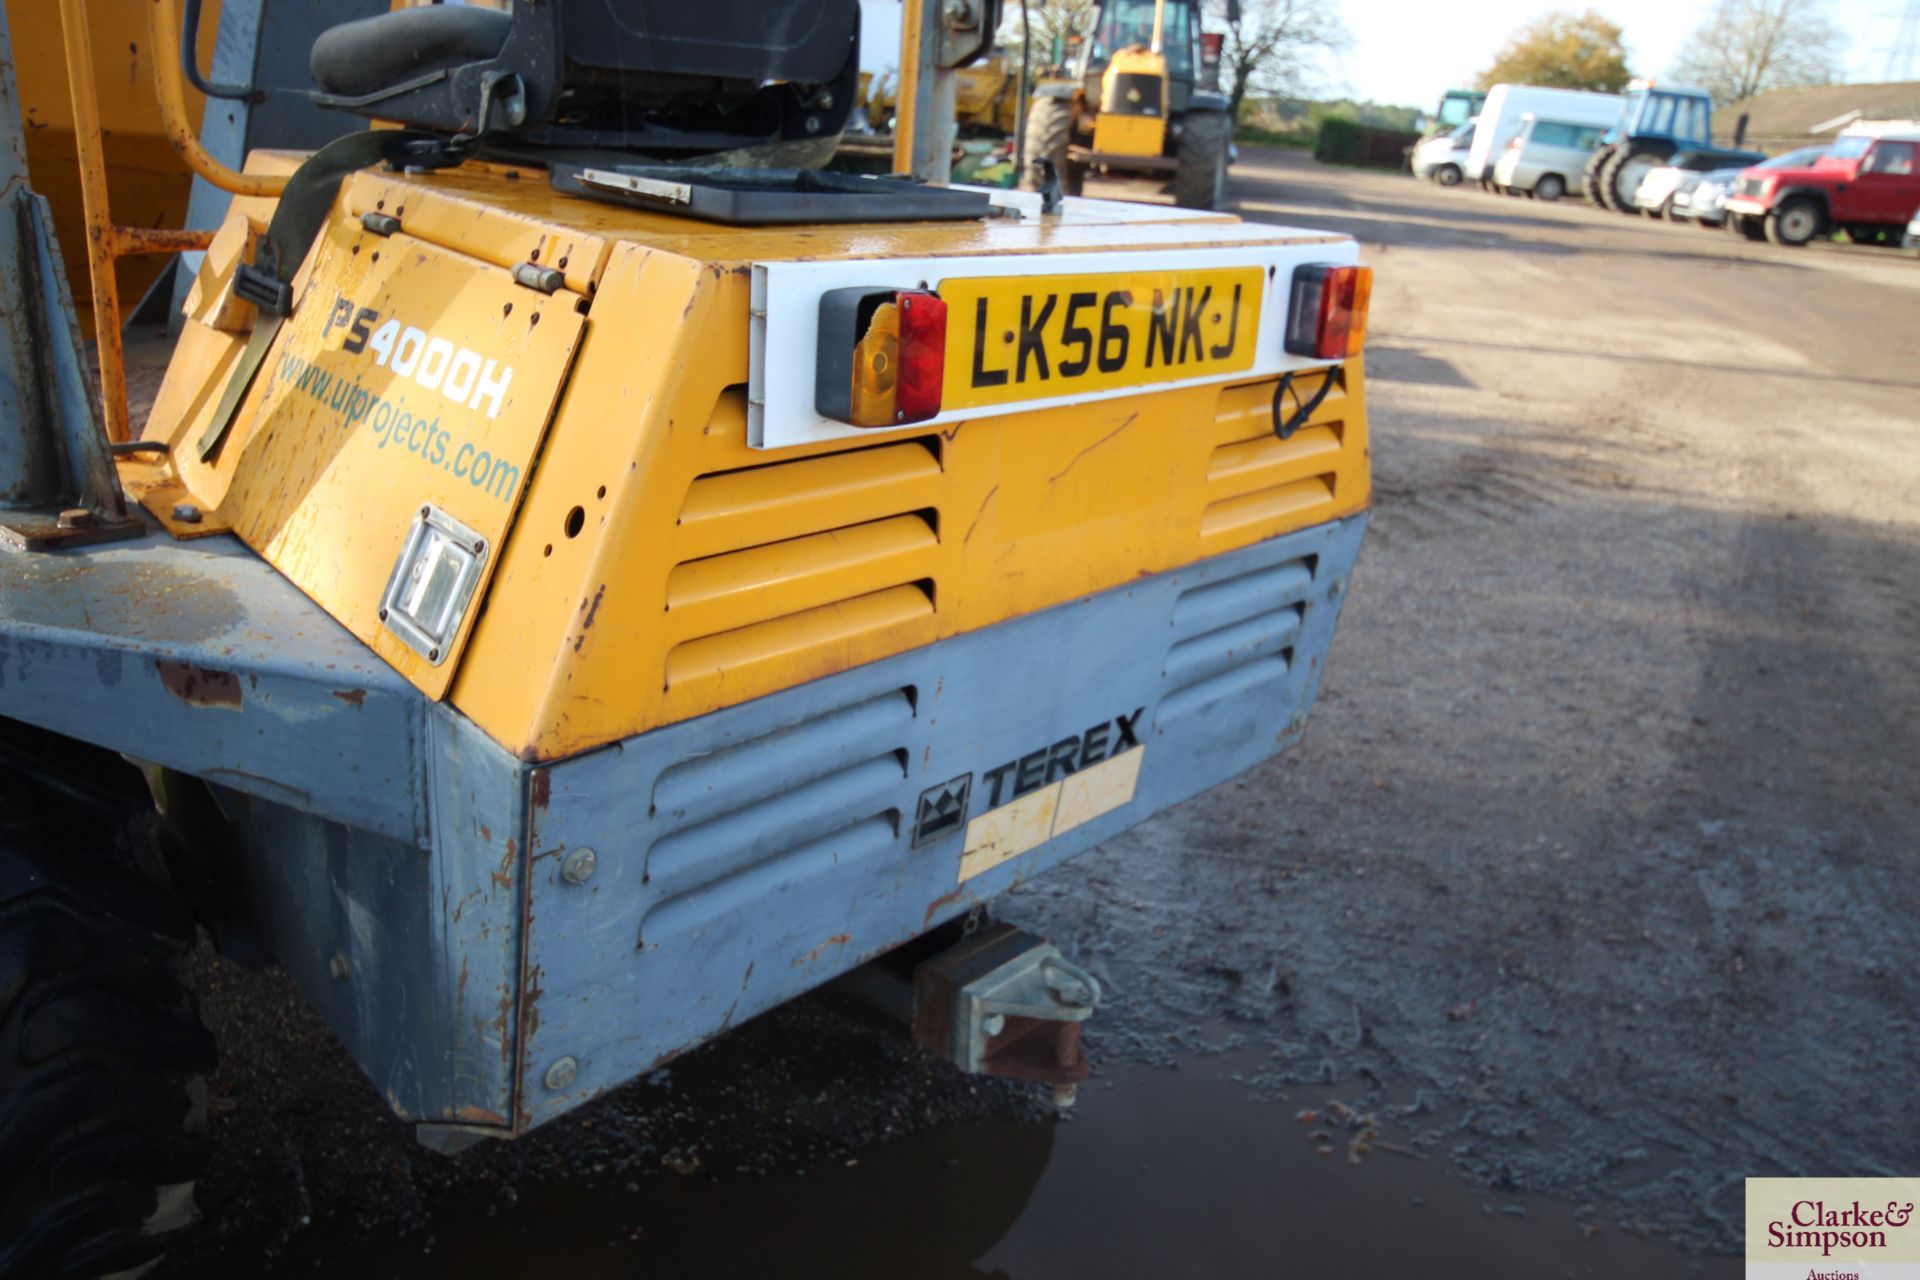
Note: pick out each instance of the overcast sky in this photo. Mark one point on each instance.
(1409, 51)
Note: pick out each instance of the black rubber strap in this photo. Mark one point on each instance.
(267, 281)
(1284, 428)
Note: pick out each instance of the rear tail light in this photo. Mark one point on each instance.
(882, 357)
(1327, 314)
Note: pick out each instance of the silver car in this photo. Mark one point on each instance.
(1544, 157)
(1659, 192)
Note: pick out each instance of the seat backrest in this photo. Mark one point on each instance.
(801, 40)
(657, 76)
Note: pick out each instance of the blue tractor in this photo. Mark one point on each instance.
(1657, 122)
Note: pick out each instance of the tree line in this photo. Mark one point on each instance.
(1743, 48)
(1280, 48)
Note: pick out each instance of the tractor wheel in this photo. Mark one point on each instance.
(1447, 175)
(1201, 180)
(1550, 187)
(102, 1055)
(1794, 223)
(1049, 133)
(1622, 174)
(1590, 174)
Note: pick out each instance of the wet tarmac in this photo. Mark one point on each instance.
(1158, 1172)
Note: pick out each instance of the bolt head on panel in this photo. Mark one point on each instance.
(578, 866)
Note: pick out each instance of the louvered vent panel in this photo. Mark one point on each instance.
(1259, 484)
(1234, 637)
(768, 811)
(796, 569)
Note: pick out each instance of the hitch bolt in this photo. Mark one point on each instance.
(578, 867)
(994, 1023)
(186, 513)
(1065, 1095)
(1335, 587)
(562, 1073)
(75, 518)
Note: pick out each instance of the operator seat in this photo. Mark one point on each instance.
(659, 76)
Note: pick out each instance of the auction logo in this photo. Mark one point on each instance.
(1833, 1229)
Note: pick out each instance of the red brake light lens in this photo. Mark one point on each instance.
(1327, 312)
(923, 356)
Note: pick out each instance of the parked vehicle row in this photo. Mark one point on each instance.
(1653, 155)
(1867, 185)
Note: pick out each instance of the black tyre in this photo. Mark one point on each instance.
(1622, 173)
(1550, 187)
(1049, 134)
(1201, 180)
(1746, 227)
(1794, 223)
(1447, 175)
(102, 1055)
(1590, 173)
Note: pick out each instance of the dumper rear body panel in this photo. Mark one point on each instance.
(723, 718)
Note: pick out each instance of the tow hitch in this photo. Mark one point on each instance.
(1000, 1002)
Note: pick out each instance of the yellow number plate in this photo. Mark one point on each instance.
(1014, 338)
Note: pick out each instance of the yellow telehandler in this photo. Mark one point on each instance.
(1135, 103)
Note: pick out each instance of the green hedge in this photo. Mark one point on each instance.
(1344, 142)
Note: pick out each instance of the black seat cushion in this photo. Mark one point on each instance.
(358, 58)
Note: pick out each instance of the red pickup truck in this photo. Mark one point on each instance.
(1867, 185)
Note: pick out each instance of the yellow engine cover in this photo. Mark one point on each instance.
(646, 563)
(1132, 120)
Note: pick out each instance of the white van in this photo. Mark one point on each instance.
(1507, 103)
(1442, 157)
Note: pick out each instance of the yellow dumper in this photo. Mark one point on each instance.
(589, 577)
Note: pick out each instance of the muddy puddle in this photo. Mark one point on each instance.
(1158, 1172)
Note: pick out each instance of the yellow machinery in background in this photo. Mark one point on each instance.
(592, 576)
(986, 97)
(1135, 104)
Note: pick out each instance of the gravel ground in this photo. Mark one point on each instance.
(1604, 831)
(1595, 874)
